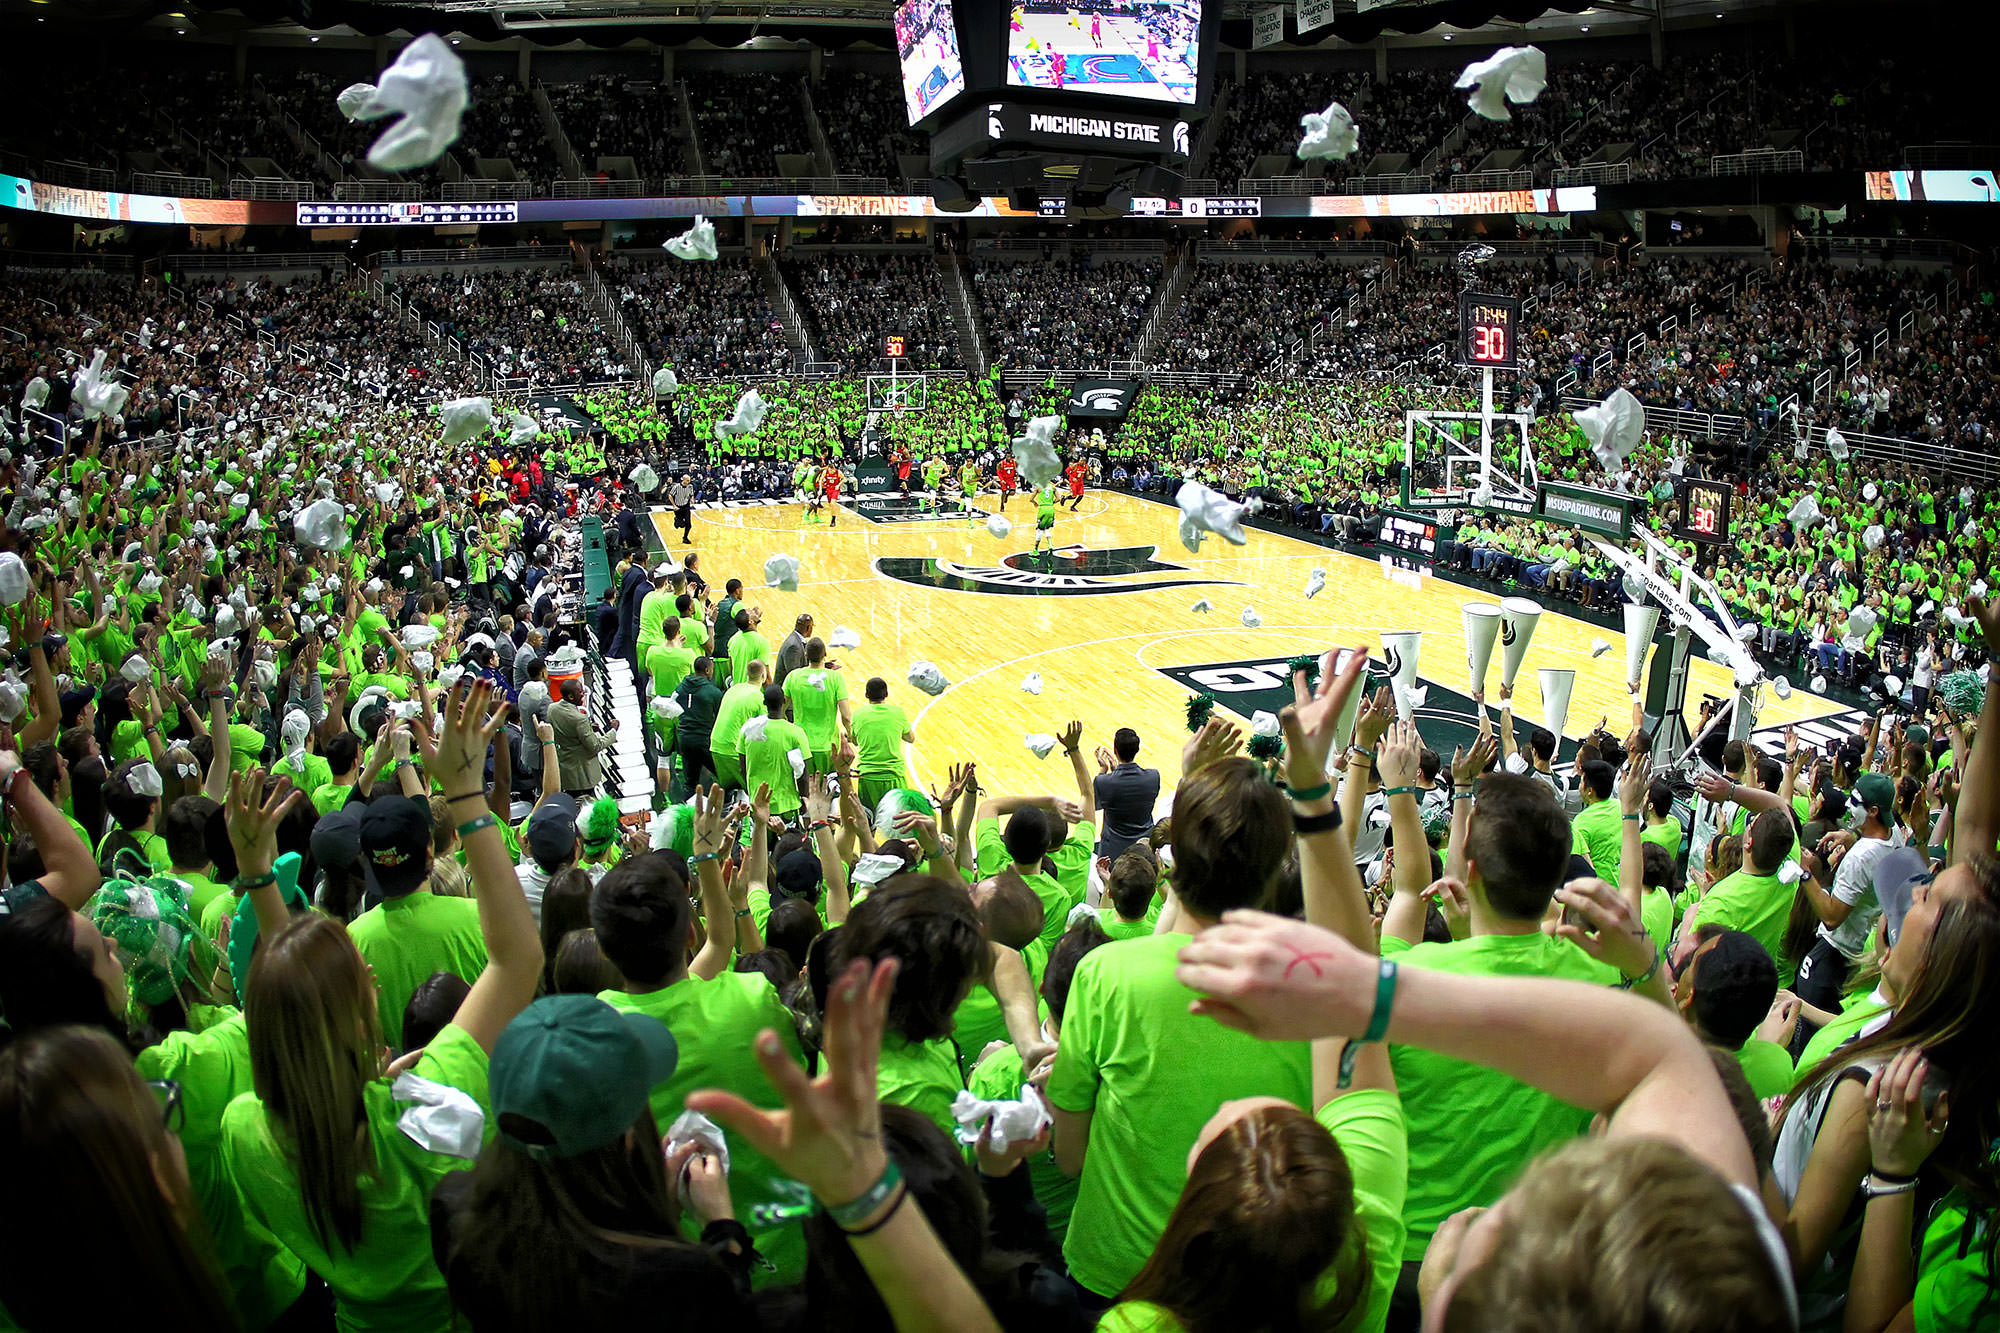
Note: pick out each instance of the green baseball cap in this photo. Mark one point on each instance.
(572, 1074)
(1878, 790)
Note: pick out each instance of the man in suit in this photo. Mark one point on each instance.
(1126, 793)
(792, 652)
(578, 743)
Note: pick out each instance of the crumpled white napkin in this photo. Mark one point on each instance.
(15, 582)
(843, 637)
(322, 524)
(439, 1118)
(1202, 607)
(753, 728)
(136, 669)
(1251, 620)
(389, 492)
(926, 677)
(1207, 510)
(998, 525)
(521, 430)
(1329, 133)
(1035, 451)
(1511, 74)
(1805, 513)
(1599, 647)
(1264, 724)
(782, 572)
(1040, 742)
(696, 1128)
(354, 98)
(747, 417)
(665, 382)
(1031, 683)
(1614, 428)
(1315, 582)
(1836, 444)
(1014, 1121)
(1874, 536)
(101, 395)
(144, 780)
(667, 706)
(645, 479)
(465, 418)
(36, 393)
(697, 242)
(426, 87)
(419, 636)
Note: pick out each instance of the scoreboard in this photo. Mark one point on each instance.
(359, 213)
(895, 347)
(1487, 328)
(1704, 515)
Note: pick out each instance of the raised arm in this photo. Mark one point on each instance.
(1399, 759)
(1976, 819)
(69, 871)
(1590, 1046)
(472, 717)
(1633, 785)
(1071, 737)
(711, 835)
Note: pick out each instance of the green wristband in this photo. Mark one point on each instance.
(1402, 791)
(1319, 793)
(856, 1210)
(245, 883)
(1378, 1021)
(472, 826)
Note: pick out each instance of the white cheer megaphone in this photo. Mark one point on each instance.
(1482, 631)
(1343, 725)
(1518, 618)
(1556, 683)
(1399, 651)
(1640, 623)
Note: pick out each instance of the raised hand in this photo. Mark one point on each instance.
(1310, 719)
(1377, 712)
(829, 1136)
(1398, 760)
(1216, 740)
(1279, 979)
(253, 822)
(1634, 782)
(471, 719)
(1901, 1136)
(1071, 736)
(1467, 765)
(1612, 932)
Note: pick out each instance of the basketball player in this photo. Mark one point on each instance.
(830, 482)
(1045, 520)
(934, 479)
(968, 480)
(1097, 30)
(1004, 478)
(901, 458)
(1077, 473)
(1072, 18)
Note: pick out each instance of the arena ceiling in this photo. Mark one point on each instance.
(833, 24)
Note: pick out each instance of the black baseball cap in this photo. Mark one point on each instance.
(336, 838)
(551, 834)
(395, 837)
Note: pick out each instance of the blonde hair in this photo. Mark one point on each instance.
(1625, 1235)
(315, 1043)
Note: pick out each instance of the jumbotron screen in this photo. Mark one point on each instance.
(1147, 50)
(927, 44)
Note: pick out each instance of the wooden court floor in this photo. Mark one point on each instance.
(1106, 624)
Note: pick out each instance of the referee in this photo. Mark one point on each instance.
(681, 496)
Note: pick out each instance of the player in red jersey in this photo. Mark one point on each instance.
(900, 456)
(1077, 472)
(830, 483)
(1006, 475)
(1097, 29)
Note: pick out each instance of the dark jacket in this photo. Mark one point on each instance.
(1126, 796)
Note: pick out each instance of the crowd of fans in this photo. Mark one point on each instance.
(866, 124)
(855, 302)
(746, 120)
(704, 319)
(528, 323)
(1066, 311)
(610, 115)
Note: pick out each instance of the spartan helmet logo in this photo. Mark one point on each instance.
(993, 130)
(1395, 660)
(1507, 633)
(1181, 137)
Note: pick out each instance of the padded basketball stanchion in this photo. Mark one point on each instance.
(1482, 630)
(1518, 618)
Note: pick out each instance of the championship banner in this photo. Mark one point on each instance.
(1314, 14)
(1102, 399)
(1267, 27)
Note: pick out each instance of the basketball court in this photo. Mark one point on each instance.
(1107, 623)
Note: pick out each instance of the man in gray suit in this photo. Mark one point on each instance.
(792, 652)
(578, 744)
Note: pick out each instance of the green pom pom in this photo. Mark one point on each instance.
(600, 826)
(1198, 710)
(1263, 748)
(1964, 693)
(1307, 663)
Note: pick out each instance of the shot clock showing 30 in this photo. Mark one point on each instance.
(1486, 329)
(895, 347)
(1704, 515)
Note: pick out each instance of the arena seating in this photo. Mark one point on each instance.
(1063, 311)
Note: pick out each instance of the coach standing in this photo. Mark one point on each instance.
(1126, 793)
(681, 496)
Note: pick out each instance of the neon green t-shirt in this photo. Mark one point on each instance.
(213, 1069)
(715, 1023)
(406, 939)
(1955, 1288)
(1451, 1169)
(1759, 904)
(1374, 1138)
(922, 1075)
(668, 664)
(878, 740)
(740, 703)
(745, 647)
(768, 760)
(816, 695)
(1768, 1066)
(999, 1077)
(1598, 832)
(389, 1283)
(1151, 1074)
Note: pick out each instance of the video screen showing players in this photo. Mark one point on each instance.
(1144, 49)
(927, 43)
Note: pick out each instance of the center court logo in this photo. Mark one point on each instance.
(1069, 574)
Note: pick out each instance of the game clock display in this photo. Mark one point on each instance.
(1486, 331)
(355, 213)
(1704, 513)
